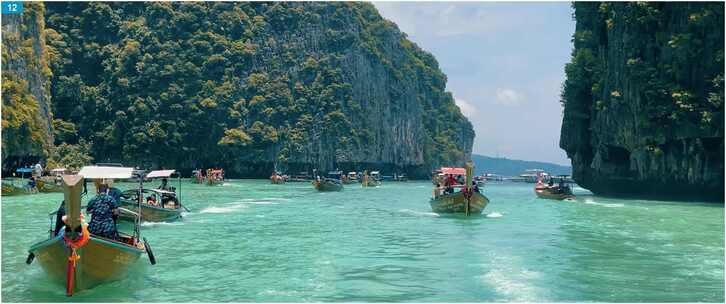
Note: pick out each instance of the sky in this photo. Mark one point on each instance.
(505, 67)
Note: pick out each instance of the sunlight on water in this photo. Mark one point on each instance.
(252, 241)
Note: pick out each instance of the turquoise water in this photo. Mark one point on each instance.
(252, 241)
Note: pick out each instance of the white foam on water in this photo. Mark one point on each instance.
(226, 209)
(513, 284)
(271, 199)
(259, 203)
(590, 201)
(419, 213)
(151, 224)
(494, 214)
(226, 184)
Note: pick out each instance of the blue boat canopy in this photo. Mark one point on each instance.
(24, 170)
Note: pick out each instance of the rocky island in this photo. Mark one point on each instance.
(245, 86)
(643, 100)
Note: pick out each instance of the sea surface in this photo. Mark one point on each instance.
(248, 240)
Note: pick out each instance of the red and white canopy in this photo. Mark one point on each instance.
(454, 171)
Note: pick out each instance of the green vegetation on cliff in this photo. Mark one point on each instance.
(26, 116)
(198, 84)
(644, 98)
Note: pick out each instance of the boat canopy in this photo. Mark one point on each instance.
(216, 171)
(162, 191)
(106, 172)
(160, 173)
(454, 171)
(375, 173)
(335, 172)
(24, 170)
(59, 170)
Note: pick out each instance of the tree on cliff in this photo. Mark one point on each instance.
(220, 83)
(643, 98)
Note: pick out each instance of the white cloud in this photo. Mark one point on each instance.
(466, 108)
(445, 19)
(508, 97)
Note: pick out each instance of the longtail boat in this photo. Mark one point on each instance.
(78, 259)
(468, 201)
(9, 188)
(197, 176)
(277, 178)
(330, 183)
(215, 177)
(557, 189)
(17, 186)
(48, 184)
(371, 180)
(162, 204)
(351, 178)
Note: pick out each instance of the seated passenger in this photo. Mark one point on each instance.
(151, 200)
(101, 209)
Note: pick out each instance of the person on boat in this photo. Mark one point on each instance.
(59, 217)
(437, 190)
(32, 185)
(164, 184)
(38, 170)
(450, 180)
(102, 208)
(151, 200)
(475, 188)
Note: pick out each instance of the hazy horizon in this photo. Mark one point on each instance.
(505, 67)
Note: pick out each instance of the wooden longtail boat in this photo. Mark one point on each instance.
(326, 184)
(197, 177)
(78, 259)
(559, 191)
(215, 177)
(330, 183)
(277, 178)
(351, 178)
(466, 201)
(17, 186)
(9, 189)
(169, 206)
(48, 184)
(372, 180)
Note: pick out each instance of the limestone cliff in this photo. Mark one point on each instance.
(643, 100)
(26, 113)
(249, 85)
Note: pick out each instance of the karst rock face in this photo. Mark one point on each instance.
(643, 100)
(26, 118)
(248, 86)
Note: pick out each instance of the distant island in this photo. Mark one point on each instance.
(513, 167)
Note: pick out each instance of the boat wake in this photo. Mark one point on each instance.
(227, 209)
(592, 202)
(494, 215)
(267, 199)
(152, 224)
(418, 213)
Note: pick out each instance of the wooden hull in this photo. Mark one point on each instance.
(325, 186)
(456, 203)
(546, 193)
(372, 183)
(8, 190)
(48, 185)
(149, 213)
(101, 261)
